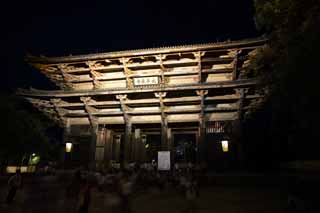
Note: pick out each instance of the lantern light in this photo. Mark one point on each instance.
(225, 146)
(68, 147)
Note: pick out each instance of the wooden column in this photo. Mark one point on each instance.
(164, 122)
(163, 69)
(65, 124)
(94, 129)
(66, 139)
(170, 145)
(198, 57)
(127, 72)
(100, 146)
(116, 144)
(94, 135)
(239, 136)
(127, 142)
(133, 147)
(124, 145)
(108, 146)
(235, 64)
(143, 150)
(137, 145)
(201, 154)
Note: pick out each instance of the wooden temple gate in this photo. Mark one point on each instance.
(115, 100)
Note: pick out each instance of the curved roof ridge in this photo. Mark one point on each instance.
(139, 52)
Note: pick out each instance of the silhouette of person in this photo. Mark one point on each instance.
(14, 183)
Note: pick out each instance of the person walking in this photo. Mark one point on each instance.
(14, 183)
(125, 192)
(191, 193)
(73, 193)
(84, 197)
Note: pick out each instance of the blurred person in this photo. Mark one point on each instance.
(72, 192)
(191, 193)
(14, 183)
(125, 192)
(84, 197)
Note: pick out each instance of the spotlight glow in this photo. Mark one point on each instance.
(225, 146)
(68, 147)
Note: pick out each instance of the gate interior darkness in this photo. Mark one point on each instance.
(185, 148)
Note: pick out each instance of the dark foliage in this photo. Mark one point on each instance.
(285, 128)
(24, 131)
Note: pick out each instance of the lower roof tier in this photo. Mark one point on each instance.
(208, 102)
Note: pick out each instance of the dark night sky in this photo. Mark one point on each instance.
(57, 28)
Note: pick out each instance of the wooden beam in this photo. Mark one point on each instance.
(67, 78)
(60, 112)
(205, 86)
(91, 111)
(43, 103)
(156, 119)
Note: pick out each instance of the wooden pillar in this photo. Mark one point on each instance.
(202, 153)
(108, 146)
(198, 57)
(143, 156)
(170, 145)
(116, 149)
(164, 134)
(164, 122)
(61, 112)
(100, 147)
(124, 144)
(137, 146)
(124, 148)
(235, 64)
(94, 123)
(93, 144)
(239, 136)
(132, 147)
(66, 138)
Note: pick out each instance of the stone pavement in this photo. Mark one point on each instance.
(46, 195)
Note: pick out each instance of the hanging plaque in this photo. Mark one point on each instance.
(145, 81)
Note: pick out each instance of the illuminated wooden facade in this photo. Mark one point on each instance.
(119, 98)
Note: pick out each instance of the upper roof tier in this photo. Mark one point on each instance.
(147, 51)
(154, 67)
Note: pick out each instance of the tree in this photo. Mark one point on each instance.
(287, 68)
(24, 131)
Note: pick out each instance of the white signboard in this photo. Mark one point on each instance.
(164, 160)
(145, 81)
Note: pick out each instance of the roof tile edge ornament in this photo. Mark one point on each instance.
(147, 51)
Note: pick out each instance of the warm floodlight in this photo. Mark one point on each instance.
(33, 154)
(225, 146)
(68, 147)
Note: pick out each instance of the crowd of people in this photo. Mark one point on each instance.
(119, 186)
